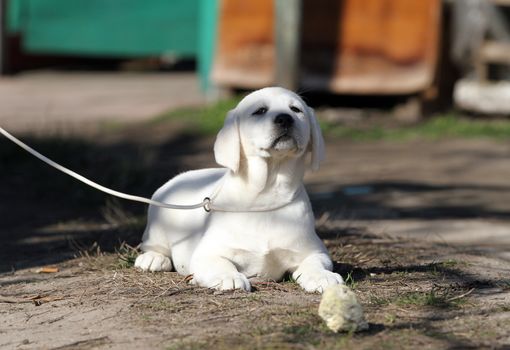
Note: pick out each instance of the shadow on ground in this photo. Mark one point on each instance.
(380, 200)
(48, 217)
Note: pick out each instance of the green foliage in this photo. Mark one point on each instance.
(378, 301)
(450, 263)
(433, 298)
(390, 318)
(349, 281)
(126, 256)
(430, 298)
(438, 127)
(504, 308)
(206, 120)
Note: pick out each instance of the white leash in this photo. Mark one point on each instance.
(206, 203)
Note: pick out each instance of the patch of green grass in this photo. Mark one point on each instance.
(343, 342)
(503, 308)
(161, 305)
(349, 281)
(111, 125)
(379, 301)
(145, 317)
(253, 297)
(126, 256)
(442, 126)
(432, 298)
(503, 284)
(314, 334)
(440, 334)
(209, 119)
(300, 331)
(448, 263)
(206, 120)
(287, 278)
(390, 318)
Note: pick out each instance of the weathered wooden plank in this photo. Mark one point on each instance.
(345, 46)
(288, 42)
(245, 54)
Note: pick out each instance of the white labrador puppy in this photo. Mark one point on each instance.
(263, 226)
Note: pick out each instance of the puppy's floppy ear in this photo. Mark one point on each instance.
(227, 148)
(316, 142)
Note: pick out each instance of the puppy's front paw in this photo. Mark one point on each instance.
(152, 261)
(226, 281)
(317, 280)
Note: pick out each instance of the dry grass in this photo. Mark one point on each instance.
(399, 296)
(410, 300)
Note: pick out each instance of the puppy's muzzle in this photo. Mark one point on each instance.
(284, 121)
(285, 139)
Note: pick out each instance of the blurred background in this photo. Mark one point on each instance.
(427, 56)
(413, 98)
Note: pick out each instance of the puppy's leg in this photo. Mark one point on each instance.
(153, 261)
(314, 273)
(155, 246)
(218, 273)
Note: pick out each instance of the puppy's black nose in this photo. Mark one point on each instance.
(284, 121)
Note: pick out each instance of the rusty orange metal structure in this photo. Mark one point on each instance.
(346, 46)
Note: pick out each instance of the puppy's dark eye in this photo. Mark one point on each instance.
(295, 109)
(260, 111)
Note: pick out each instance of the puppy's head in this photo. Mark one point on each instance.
(269, 123)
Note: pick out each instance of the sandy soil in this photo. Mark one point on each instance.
(418, 229)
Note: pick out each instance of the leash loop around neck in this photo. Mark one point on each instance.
(207, 204)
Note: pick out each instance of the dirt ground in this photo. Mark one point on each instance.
(419, 229)
(49, 100)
